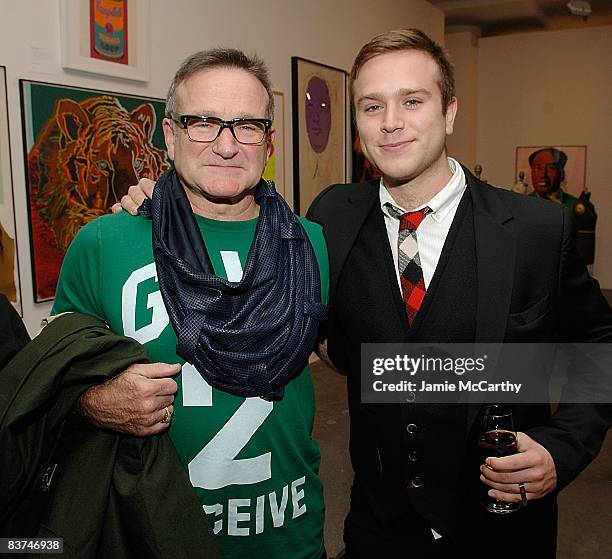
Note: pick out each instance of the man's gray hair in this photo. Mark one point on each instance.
(220, 58)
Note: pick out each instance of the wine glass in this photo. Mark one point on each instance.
(498, 438)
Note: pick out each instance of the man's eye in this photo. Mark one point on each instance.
(412, 103)
(200, 124)
(372, 108)
(248, 127)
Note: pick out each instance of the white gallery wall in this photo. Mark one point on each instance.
(543, 88)
(329, 32)
(463, 48)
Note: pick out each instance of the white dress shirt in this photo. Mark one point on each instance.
(433, 230)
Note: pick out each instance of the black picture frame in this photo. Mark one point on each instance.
(319, 117)
(55, 118)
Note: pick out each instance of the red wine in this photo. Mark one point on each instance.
(497, 443)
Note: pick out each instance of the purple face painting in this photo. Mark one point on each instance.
(318, 113)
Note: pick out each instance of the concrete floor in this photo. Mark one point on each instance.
(585, 506)
(332, 432)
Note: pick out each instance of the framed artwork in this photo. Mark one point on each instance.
(9, 263)
(275, 168)
(551, 170)
(319, 129)
(107, 37)
(83, 148)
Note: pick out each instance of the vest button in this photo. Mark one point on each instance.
(411, 428)
(416, 482)
(412, 456)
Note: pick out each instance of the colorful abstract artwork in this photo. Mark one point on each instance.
(83, 149)
(108, 30)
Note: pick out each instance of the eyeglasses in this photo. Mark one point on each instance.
(250, 131)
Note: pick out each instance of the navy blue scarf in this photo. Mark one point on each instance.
(248, 338)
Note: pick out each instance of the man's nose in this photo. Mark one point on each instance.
(226, 146)
(391, 120)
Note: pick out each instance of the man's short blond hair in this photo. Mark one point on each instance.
(409, 39)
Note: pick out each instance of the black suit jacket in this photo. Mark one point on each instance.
(531, 286)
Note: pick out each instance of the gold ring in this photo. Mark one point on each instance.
(168, 415)
(523, 494)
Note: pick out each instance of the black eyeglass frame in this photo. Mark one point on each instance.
(183, 120)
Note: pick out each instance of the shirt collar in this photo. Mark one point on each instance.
(442, 203)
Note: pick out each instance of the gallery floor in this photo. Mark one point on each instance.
(585, 506)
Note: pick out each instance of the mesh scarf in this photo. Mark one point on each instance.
(247, 338)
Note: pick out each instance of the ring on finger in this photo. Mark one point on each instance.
(523, 493)
(168, 416)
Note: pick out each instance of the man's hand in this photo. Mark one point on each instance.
(135, 197)
(133, 402)
(533, 466)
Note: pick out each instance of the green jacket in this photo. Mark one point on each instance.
(106, 494)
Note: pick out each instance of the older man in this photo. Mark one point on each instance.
(229, 279)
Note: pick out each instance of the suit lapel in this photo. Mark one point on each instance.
(495, 257)
(392, 308)
(360, 216)
(352, 213)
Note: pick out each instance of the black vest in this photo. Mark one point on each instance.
(372, 311)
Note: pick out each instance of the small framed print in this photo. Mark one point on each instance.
(108, 37)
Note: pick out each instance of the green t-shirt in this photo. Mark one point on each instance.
(253, 463)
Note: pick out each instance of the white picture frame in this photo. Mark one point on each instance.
(75, 37)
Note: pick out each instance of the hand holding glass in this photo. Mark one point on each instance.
(498, 439)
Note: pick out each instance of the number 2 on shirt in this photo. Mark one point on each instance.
(216, 465)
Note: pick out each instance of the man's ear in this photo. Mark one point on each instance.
(168, 128)
(451, 113)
